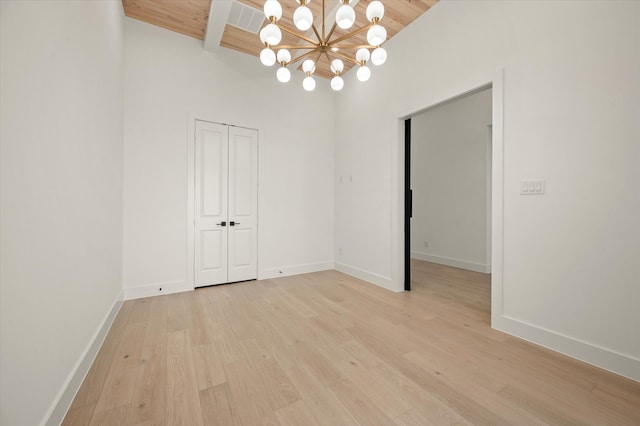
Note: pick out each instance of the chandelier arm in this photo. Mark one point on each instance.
(300, 36)
(333, 28)
(301, 57)
(322, 40)
(328, 58)
(315, 30)
(351, 34)
(353, 46)
(345, 57)
(295, 46)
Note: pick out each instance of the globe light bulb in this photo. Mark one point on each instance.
(364, 73)
(308, 66)
(376, 35)
(379, 56)
(337, 83)
(337, 66)
(309, 84)
(345, 17)
(267, 57)
(271, 35)
(303, 18)
(272, 8)
(284, 56)
(283, 74)
(375, 10)
(362, 55)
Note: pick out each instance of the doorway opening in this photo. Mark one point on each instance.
(447, 191)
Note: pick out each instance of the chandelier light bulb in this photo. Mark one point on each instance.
(271, 35)
(283, 74)
(284, 56)
(303, 18)
(364, 73)
(309, 66)
(267, 57)
(376, 35)
(345, 17)
(379, 56)
(362, 55)
(337, 83)
(309, 84)
(375, 10)
(337, 66)
(273, 8)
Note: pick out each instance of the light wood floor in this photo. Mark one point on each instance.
(327, 349)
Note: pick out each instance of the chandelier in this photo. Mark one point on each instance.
(310, 50)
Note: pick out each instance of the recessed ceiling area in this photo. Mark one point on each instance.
(219, 23)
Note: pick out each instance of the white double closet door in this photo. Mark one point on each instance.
(226, 204)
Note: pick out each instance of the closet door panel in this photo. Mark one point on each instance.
(211, 203)
(243, 204)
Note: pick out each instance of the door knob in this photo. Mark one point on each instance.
(232, 223)
(223, 224)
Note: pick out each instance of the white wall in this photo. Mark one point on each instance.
(61, 182)
(571, 106)
(449, 152)
(168, 78)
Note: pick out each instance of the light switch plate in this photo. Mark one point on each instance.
(532, 187)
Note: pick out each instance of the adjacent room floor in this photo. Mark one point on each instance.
(328, 349)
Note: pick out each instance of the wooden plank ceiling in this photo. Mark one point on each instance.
(190, 17)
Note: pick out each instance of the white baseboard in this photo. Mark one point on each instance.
(379, 280)
(57, 411)
(456, 263)
(607, 359)
(285, 271)
(156, 289)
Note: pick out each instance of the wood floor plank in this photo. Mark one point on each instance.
(208, 366)
(329, 349)
(412, 417)
(314, 360)
(296, 414)
(324, 404)
(361, 407)
(276, 386)
(120, 384)
(79, 416)
(140, 310)
(385, 398)
(92, 386)
(249, 394)
(150, 393)
(202, 330)
(426, 404)
(182, 402)
(219, 407)
(115, 416)
(362, 355)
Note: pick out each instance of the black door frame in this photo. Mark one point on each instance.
(408, 204)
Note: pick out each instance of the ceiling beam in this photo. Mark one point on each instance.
(218, 15)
